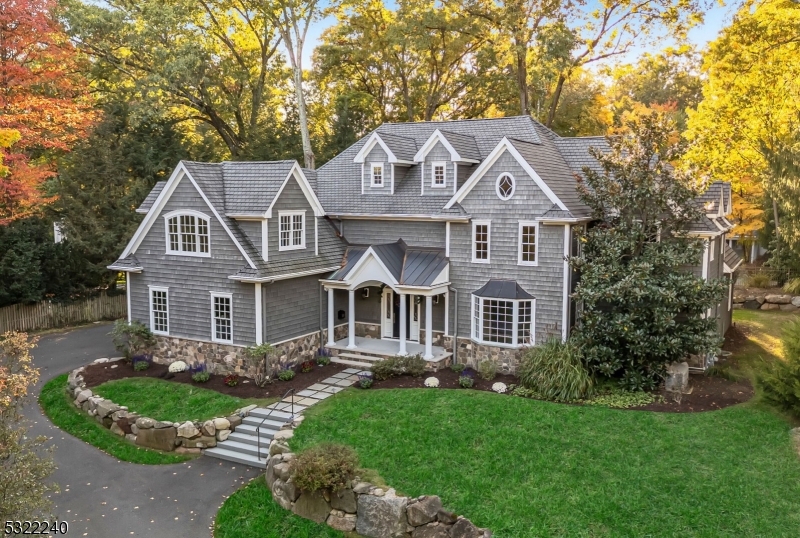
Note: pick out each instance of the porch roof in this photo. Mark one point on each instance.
(409, 266)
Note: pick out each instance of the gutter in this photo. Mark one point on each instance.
(455, 323)
(286, 276)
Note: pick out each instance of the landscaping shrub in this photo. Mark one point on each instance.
(141, 365)
(323, 356)
(266, 361)
(467, 378)
(306, 366)
(131, 338)
(324, 467)
(201, 377)
(487, 369)
(386, 368)
(286, 375)
(414, 365)
(458, 368)
(365, 380)
(231, 380)
(760, 280)
(792, 287)
(555, 370)
(781, 381)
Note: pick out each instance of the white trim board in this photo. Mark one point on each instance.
(374, 139)
(305, 186)
(429, 144)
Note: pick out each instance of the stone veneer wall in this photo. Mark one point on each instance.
(182, 437)
(471, 353)
(362, 508)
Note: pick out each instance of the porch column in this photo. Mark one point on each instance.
(351, 321)
(403, 329)
(447, 313)
(428, 327)
(259, 316)
(331, 340)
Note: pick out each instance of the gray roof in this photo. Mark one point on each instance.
(403, 148)
(130, 263)
(503, 289)
(150, 199)
(464, 144)
(732, 260)
(250, 187)
(711, 197)
(575, 152)
(410, 266)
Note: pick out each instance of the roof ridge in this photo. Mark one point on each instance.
(453, 121)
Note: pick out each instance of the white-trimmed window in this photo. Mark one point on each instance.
(292, 233)
(187, 233)
(438, 174)
(376, 175)
(481, 240)
(528, 243)
(159, 310)
(503, 322)
(221, 317)
(505, 186)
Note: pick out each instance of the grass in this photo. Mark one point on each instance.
(526, 468)
(252, 512)
(763, 332)
(170, 401)
(58, 407)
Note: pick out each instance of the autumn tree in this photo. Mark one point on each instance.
(41, 97)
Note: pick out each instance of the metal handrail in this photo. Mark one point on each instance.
(258, 428)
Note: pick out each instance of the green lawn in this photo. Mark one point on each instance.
(529, 468)
(165, 400)
(252, 512)
(58, 407)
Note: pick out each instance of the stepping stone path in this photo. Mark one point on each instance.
(242, 446)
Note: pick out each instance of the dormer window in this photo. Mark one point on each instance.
(292, 230)
(438, 174)
(376, 175)
(187, 233)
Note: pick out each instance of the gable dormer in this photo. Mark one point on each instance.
(384, 159)
(439, 160)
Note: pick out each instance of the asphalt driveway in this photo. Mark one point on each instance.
(104, 497)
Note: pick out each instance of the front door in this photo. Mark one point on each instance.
(387, 313)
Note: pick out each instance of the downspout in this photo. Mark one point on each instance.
(455, 323)
(321, 294)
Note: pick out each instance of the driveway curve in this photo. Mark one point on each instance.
(104, 497)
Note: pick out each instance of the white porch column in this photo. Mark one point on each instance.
(428, 327)
(447, 313)
(259, 316)
(331, 340)
(351, 320)
(128, 295)
(403, 328)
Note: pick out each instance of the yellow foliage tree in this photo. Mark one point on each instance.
(7, 138)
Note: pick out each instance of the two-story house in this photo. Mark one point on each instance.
(448, 239)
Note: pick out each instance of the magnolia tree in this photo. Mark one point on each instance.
(642, 306)
(22, 470)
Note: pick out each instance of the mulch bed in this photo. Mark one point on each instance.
(448, 379)
(97, 374)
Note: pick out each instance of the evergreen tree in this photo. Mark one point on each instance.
(642, 306)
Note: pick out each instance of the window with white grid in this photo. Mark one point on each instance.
(222, 320)
(159, 310)
(187, 233)
(525, 323)
(503, 322)
(480, 241)
(292, 230)
(438, 174)
(376, 177)
(527, 243)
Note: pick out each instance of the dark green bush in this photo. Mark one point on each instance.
(140, 366)
(131, 338)
(201, 377)
(286, 375)
(458, 368)
(555, 370)
(414, 365)
(396, 366)
(781, 381)
(487, 369)
(466, 381)
(324, 467)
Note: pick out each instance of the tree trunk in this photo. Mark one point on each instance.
(308, 152)
(522, 80)
(551, 115)
(777, 224)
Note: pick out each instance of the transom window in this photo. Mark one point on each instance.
(528, 232)
(376, 177)
(505, 186)
(480, 241)
(221, 318)
(438, 176)
(187, 233)
(292, 230)
(503, 321)
(159, 310)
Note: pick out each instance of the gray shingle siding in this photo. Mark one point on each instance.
(291, 199)
(438, 153)
(419, 234)
(252, 229)
(191, 279)
(377, 155)
(292, 308)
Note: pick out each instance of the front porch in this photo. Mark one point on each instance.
(387, 348)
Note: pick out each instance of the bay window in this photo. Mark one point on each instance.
(503, 314)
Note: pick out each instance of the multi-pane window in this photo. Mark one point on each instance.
(376, 179)
(503, 321)
(527, 243)
(480, 241)
(438, 174)
(222, 322)
(505, 186)
(292, 230)
(159, 310)
(187, 234)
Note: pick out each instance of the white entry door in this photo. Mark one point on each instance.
(413, 331)
(387, 313)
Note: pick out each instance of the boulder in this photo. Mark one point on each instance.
(761, 299)
(116, 429)
(381, 517)
(134, 428)
(208, 428)
(283, 435)
(144, 423)
(185, 450)
(130, 437)
(269, 475)
(788, 308)
(362, 487)
(770, 306)
(222, 423)
(344, 523)
(737, 306)
(86, 406)
(796, 301)
(312, 506)
(200, 442)
(161, 424)
(235, 420)
(463, 528)
(223, 435)
(677, 377)
(281, 471)
(160, 439)
(344, 500)
(188, 430)
(280, 496)
(424, 511)
(83, 395)
(277, 447)
(752, 305)
(122, 413)
(433, 530)
(105, 408)
(291, 490)
(448, 518)
(779, 299)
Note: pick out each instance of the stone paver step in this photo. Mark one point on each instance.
(361, 358)
(264, 431)
(248, 439)
(230, 455)
(260, 412)
(244, 448)
(267, 423)
(361, 365)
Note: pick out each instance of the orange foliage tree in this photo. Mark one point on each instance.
(42, 97)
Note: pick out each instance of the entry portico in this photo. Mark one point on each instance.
(405, 275)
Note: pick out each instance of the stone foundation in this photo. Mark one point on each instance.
(786, 303)
(472, 353)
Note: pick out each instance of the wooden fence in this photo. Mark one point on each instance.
(50, 315)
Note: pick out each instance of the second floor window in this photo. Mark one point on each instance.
(480, 241)
(527, 243)
(292, 230)
(187, 234)
(438, 174)
(376, 178)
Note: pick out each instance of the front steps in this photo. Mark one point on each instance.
(357, 360)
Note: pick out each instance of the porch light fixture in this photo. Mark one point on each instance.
(365, 293)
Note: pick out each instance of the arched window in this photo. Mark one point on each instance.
(505, 186)
(187, 233)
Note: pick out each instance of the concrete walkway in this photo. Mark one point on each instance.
(103, 497)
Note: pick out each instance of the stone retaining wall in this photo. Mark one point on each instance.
(363, 508)
(787, 303)
(181, 437)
